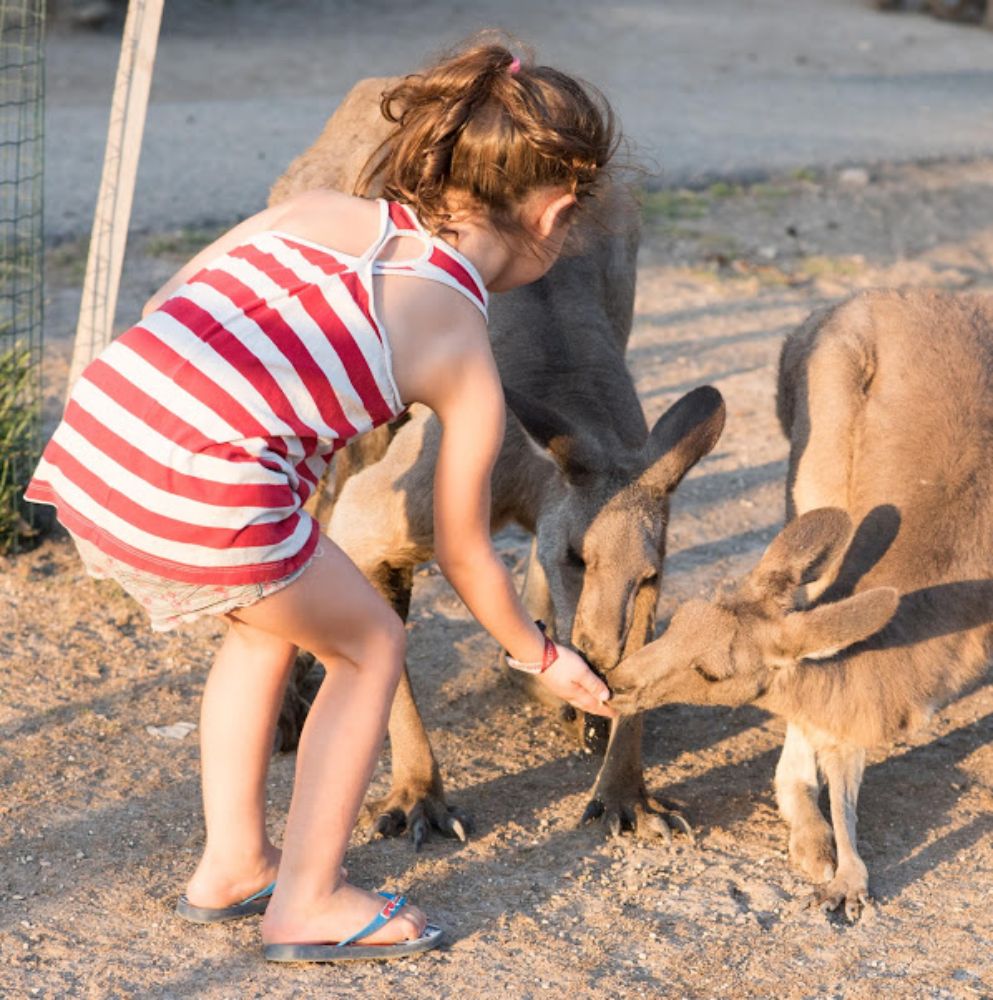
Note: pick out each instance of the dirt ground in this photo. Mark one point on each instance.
(100, 820)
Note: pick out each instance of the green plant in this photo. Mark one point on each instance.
(725, 189)
(831, 267)
(17, 441)
(805, 174)
(665, 205)
(183, 243)
(67, 261)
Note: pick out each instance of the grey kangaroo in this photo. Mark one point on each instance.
(874, 605)
(579, 469)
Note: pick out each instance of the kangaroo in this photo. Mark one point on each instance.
(579, 469)
(874, 605)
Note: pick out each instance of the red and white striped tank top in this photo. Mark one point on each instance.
(189, 446)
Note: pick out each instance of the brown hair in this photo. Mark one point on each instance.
(484, 126)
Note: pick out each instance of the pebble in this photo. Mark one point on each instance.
(854, 177)
(176, 731)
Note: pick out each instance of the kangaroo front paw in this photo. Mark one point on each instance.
(639, 813)
(852, 891)
(812, 851)
(417, 813)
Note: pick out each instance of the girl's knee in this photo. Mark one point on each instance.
(380, 642)
(393, 635)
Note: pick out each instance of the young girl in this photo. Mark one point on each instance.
(189, 447)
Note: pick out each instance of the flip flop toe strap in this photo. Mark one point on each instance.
(393, 905)
(266, 890)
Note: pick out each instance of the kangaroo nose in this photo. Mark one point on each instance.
(582, 642)
(599, 653)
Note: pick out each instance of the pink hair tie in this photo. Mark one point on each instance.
(514, 66)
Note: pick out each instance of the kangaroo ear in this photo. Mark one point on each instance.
(576, 455)
(802, 552)
(829, 628)
(686, 432)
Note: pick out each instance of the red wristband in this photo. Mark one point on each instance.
(548, 656)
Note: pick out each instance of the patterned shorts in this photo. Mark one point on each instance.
(170, 603)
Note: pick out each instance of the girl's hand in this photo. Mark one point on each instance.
(571, 679)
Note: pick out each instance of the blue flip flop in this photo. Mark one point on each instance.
(346, 950)
(256, 903)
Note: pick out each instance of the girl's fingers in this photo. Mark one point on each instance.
(588, 702)
(596, 687)
(596, 690)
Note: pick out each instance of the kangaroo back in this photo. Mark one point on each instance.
(824, 368)
(887, 400)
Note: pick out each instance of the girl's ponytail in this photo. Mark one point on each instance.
(484, 127)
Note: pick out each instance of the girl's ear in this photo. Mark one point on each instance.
(556, 211)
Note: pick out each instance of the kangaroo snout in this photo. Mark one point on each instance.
(602, 656)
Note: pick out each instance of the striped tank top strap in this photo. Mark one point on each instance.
(439, 262)
(387, 229)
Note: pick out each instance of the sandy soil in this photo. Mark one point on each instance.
(100, 817)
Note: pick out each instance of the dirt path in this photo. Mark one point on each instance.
(100, 821)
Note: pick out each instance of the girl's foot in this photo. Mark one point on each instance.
(337, 917)
(220, 884)
(214, 889)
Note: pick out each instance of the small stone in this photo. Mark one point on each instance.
(176, 731)
(854, 177)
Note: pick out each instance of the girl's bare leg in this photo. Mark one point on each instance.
(333, 612)
(238, 715)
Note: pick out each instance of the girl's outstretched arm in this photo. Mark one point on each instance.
(468, 401)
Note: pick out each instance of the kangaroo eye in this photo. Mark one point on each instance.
(705, 674)
(574, 559)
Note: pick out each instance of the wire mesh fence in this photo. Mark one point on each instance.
(22, 85)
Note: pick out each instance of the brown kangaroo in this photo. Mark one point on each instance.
(855, 639)
(579, 469)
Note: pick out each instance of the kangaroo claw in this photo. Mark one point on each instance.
(677, 819)
(388, 824)
(659, 827)
(594, 810)
(418, 832)
(830, 897)
(402, 812)
(645, 817)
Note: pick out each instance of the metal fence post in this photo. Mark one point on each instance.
(22, 94)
